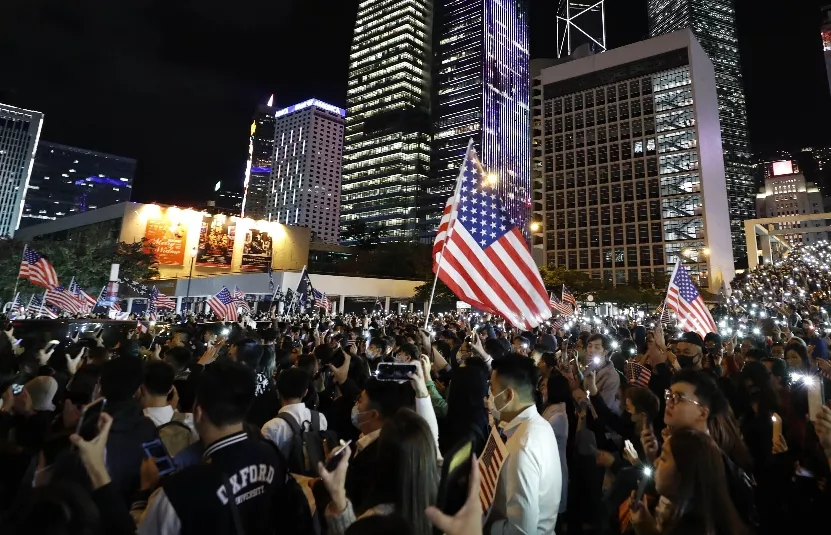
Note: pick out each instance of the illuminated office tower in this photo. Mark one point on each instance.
(826, 40)
(305, 182)
(581, 22)
(483, 94)
(258, 168)
(713, 22)
(19, 135)
(387, 146)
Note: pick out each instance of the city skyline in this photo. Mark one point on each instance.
(178, 97)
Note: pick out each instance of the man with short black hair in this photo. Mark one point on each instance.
(157, 385)
(529, 488)
(238, 473)
(607, 378)
(292, 385)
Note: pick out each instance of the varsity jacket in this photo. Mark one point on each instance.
(198, 500)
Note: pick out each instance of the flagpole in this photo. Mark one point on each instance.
(17, 280)
(452, 220)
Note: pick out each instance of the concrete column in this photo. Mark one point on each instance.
(386, 304)
(341, 304)
(130, 304)
(752, 248)
(179, 305)
(767, 253)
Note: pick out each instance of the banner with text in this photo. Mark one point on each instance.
(168, 238)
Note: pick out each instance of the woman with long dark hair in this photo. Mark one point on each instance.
(557, 406)
(406, 481)
(691, 481)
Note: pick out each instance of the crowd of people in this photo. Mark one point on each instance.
(609, 426)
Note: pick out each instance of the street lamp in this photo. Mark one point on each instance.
(493, 179)
(193, 252)
(535, 226)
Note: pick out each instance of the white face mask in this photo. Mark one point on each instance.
(496, 413)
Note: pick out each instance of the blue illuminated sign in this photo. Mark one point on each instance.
(102, 180)
(311, 102)
(261, 170)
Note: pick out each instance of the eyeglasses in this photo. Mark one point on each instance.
(674, 398)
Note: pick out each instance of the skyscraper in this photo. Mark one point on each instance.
(825, 31)
(19, 135)
(258, 169)
(387, 146)
(581, 22)
(714, 24)
(483, 94)
(68, 180)
(629, 175)
(305, 183)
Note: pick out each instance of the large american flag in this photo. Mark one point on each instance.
(321, 301)
(37, 269)
(239, 299)
(63, 299)
(223, 305)
(490, 464)
(85, 301)
(481, 254)
(685, 300)
(160, 300)
(558, 306)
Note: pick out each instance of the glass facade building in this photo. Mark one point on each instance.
(19, 136)
(68, 180)
(258, 169)
(483, 91)
(629, 172)
(386, 154)
(713, 22)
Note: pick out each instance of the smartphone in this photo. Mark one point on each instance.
(17, 389)
(777, 426)
(51, 344)
(155, 450)
(395, 371)
(455, 478)
(643, 483)
(88, 424)
(816, 395)
(336, 456)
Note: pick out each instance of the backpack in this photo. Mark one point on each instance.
(290, 506)
(309, 444)
(175, 435)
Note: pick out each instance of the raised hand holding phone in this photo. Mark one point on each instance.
(92, 452)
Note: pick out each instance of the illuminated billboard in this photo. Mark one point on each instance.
(784, 167)
(256, 251)
(216, 241)
(168, 234)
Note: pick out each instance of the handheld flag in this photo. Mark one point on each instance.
(304, 291)
(85, 301)
(223, 305)
(558, 306)
(568, 297)
(161, 301)
(62, 299)
(239, 299)
(686, 301)
(37, 269)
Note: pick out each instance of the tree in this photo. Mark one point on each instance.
(443, 296)
(577, 282)
(87, 258)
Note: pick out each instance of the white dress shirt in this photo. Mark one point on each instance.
(279, 432)
(528, 492)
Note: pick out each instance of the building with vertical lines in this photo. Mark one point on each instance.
(713, 22)
(258, 168)
(386, 155)
(483, 95)
(19, 135)
(629, 172)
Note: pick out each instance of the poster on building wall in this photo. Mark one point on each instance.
(216, 242)
(168, 238)
(256, 252)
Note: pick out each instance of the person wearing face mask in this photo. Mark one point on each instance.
(528, 491)
(376, 353)
(689, 352)
(607, 379)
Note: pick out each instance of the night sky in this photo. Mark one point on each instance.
(174, 84)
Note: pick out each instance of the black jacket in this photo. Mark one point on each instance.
(129, 431)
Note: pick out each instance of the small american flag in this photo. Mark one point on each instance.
(689, 307)
(17, 305)
(161, 301)
(239, 299)
(151, 308)
(141, 327)
(490, 464)
(321, 301)
(37, 269)
(481, 254)
(568, 297)
(223, 305)
(38, 308)
(637, 374)
(558, 324)
(558, 306)
(63, 299)
(85, 301)
(663, 313)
